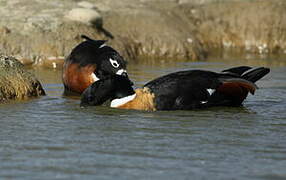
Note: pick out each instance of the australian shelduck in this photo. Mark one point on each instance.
(184, 90)
(88, 62)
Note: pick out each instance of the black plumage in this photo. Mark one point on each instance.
(90, 61)
(183, 90)
(96, 52)
(110, 88)
(192, 89)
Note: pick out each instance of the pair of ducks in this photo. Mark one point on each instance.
(98, 73)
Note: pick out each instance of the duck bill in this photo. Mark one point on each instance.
(122, 72)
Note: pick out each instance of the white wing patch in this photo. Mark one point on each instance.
(118, 102)
(114, 63)
(211, 91)
(94, 77)
(101, 46)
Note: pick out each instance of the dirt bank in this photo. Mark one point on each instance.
(255, 26)
(44, 32)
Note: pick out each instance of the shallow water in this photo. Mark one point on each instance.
(53, 138)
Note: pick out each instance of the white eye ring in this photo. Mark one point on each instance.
(114, 63)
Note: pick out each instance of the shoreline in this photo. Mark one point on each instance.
(169, 30)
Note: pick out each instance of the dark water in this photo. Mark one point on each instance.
(53, 138)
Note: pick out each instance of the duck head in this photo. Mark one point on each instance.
(111, 63)
(108, 60)
(114, 87)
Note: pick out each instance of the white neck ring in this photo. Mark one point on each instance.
(121, 101)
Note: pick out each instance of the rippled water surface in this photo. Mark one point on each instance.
(53, 138)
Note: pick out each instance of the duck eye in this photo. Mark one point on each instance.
(114, 63)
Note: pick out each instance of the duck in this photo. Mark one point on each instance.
(88, 62)
(183, 90)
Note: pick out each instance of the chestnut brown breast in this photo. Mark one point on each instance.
(77, 78)
(144, 100)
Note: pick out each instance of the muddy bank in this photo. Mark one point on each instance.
(16, 82)
(44, 32)
(252, 27)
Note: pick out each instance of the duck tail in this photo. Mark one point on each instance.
(255, 74)
(237, 70)
(86, 37)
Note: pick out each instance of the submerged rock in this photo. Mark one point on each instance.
(16, 82)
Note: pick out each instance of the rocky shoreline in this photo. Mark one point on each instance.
(44, 32)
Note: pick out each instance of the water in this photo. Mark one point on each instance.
(53, 138)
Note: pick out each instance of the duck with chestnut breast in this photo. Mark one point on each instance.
(88, 62)
(184, 90)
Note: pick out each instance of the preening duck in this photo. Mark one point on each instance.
(182, 90)
(90, 61)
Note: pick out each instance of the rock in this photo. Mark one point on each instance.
(4, 30)
(53, 62)
(26, 62)
(85, 4)
(42, 45)
(42, 29)
(16, 82)
(245, 26)
(146, 30)
(86, 16)
(154, 35)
